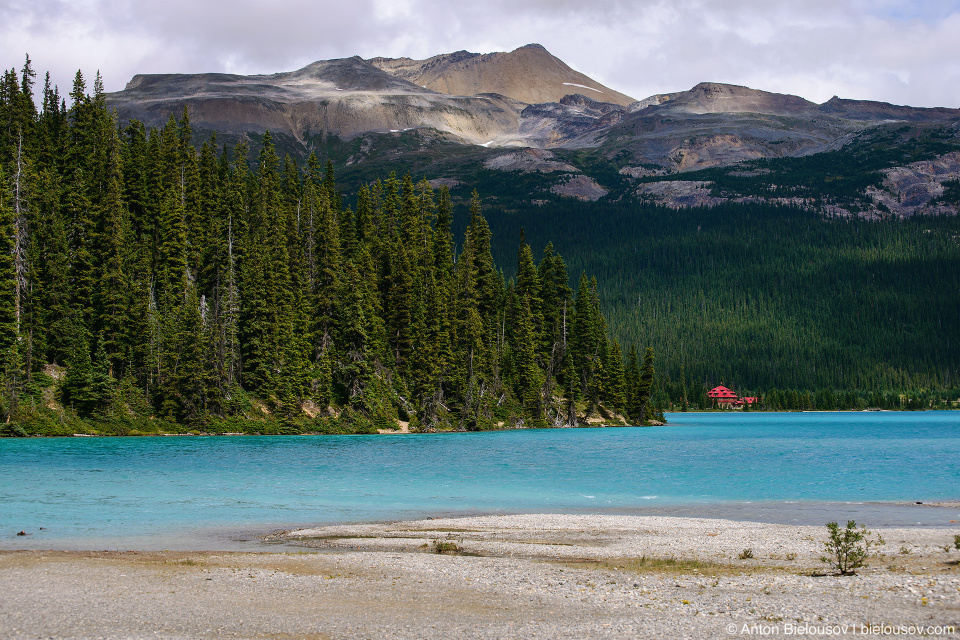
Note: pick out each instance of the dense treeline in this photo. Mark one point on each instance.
(757, 297)
(196, 287)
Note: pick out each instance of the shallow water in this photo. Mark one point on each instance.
(775, 467)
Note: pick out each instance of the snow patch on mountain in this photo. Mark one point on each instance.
(582, 86)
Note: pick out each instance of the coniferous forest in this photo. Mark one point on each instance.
(148, 285)
(776, 302)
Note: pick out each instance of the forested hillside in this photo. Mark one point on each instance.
(147, 285)
(158, 275)
(760, 297)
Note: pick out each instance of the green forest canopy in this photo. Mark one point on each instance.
(191, 287)
(759, 297)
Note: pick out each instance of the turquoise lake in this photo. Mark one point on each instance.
(167, 491)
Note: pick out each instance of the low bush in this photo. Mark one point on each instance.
(847, 548)
(447, 548)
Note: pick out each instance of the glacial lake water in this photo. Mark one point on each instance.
(218, 492)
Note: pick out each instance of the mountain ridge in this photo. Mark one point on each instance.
(530, 74)
(523, 98)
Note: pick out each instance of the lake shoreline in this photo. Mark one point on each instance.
(673, 416)
(535, 575)
(271, 537)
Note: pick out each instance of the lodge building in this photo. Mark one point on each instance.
(723, 397)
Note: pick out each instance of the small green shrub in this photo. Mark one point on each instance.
(847, 548)
(446, 548)
(746, 554)
(956, 541)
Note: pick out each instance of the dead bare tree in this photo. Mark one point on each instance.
(21, 232)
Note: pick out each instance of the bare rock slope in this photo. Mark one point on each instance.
(522, 98)
(344, 97)
(529, 74)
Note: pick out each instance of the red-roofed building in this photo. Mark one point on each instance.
(725, 397)
(722, 395)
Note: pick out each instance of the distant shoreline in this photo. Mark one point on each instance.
(401, 430)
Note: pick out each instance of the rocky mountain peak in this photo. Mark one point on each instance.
(716, 97)
(522, 98)
(530, 74)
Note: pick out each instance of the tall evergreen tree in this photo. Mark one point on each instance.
(635, 402)
(616, 385)
(111, 300)
(645, 386)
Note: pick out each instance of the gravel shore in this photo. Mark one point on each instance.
(523, 576)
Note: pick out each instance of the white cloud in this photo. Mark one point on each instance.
(894, 50)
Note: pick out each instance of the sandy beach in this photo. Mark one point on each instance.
(522, 576)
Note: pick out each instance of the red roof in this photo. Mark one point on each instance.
(721, 393)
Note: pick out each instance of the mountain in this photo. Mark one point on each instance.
(712, 97)
(345, 98)
(716, 125)
(454, 116)
(466, 97)
(529, 74)
(467, 105)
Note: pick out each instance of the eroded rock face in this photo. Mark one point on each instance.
(580, 187)
(909, 190)
(528, 160)
(906, 191)
(680, 193)
(713, 151)
(565, 124)
(642, 172)
(450, 183)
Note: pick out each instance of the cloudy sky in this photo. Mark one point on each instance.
(900, 51)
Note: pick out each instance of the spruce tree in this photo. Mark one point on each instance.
(113, 287)
(632, 375)
(616, 376)
(487, 282)
(77, 389)
(399, 303)
(77, 204)
(527, 372)
(328, 260)
(583, 345)
(645, 387)
(185, 381)
(102, 383)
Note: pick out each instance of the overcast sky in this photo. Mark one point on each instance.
(900, 51)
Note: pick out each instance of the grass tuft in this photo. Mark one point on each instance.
(443, 547)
